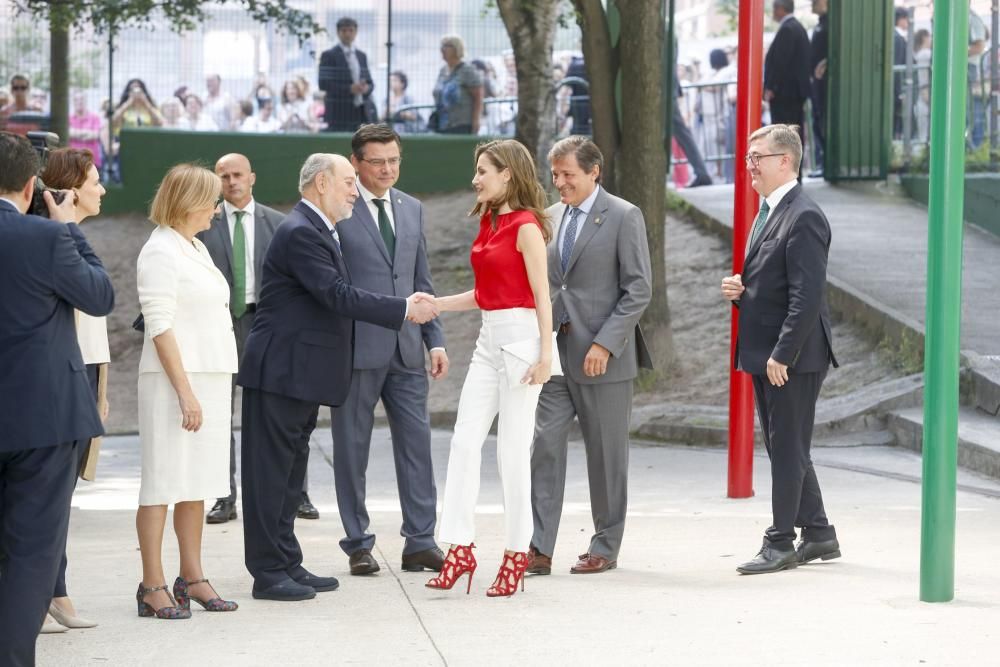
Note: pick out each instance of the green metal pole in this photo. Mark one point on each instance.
(944, 301)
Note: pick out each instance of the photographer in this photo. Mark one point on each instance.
(47, 269)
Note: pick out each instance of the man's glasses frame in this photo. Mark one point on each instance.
(378, 162)
(754, 158)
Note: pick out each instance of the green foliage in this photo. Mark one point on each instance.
(905, 353)
(731, 10)
(976, 161)
(31, 47)
(111, 16)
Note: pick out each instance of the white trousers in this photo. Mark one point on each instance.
(484, 394)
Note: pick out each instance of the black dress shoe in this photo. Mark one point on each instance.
(699, 181)
(306, 509)
(317, 583)
(418, 561)
(222, 511)
(825, 550)
(362, 562)
(286, 591)
(769, 559)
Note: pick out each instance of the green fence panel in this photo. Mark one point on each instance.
(432, 163)
(859, 93)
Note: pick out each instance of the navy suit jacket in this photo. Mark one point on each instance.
(301, 343)
(786, 67)
(372, 269)
(335, 80)
(783, 310)
(46, 270)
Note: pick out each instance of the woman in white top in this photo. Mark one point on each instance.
(73, 169)
(294, 111)
(185, 375)
(194, 118)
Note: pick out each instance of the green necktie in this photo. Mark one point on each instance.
(758, 224)
(385, 228)
(238, 302)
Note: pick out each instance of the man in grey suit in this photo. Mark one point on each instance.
(384, 249)
(601, 281)
(231, 229)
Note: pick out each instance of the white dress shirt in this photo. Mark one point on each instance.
(584, 207)
(370, 198)
(775, 198)
(248, 235)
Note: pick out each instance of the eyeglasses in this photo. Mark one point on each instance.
(754, 158)
(378, 163)
(19, 87)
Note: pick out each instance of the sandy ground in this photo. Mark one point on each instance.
(696, 261)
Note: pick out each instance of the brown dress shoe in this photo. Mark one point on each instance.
(431, 559)
(362, 562)
(538, 563)
(592, 564)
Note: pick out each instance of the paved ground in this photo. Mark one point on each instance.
(880, 249)
(675, 599)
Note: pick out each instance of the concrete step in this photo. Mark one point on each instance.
(860, 411)
(982, 385)
(978, 437)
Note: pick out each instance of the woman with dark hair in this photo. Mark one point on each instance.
(135, 108)
(512, 290)
(73, 169)
(406, 121)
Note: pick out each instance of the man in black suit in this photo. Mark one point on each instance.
(819, 48)
(899, 54)
(785, 343)
(347, 82)
(298, 356)
(47, 269)
(246, 225)
(787, 72)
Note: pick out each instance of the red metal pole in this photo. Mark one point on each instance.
(749, 77)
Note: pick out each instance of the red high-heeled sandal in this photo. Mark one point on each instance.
(511, 572)
(459, 561)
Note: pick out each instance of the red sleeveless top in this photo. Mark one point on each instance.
(501, 279)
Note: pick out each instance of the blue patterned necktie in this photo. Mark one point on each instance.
(569, 238)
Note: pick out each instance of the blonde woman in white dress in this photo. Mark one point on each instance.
(185, 380)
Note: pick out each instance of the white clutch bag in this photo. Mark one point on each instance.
(520, 356)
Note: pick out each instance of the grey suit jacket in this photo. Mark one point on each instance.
(372, 269)
(606, 287)
(220, 245)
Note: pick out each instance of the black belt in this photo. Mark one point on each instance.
(251, 307)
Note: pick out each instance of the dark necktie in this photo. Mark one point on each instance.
(385, 228)
(569, 238)
(758, 224)
(238, 304)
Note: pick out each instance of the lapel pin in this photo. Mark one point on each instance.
(597, 221)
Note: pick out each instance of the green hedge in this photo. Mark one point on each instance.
(432, 163)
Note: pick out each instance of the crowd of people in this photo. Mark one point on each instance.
(334, 304)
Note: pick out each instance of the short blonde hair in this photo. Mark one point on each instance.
(185, 188)
(783, 139)
(455, 42)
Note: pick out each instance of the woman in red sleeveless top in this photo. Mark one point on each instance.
(512, 290)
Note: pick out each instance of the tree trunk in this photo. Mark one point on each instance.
(532, 29)
(601, 59)
(59, 74)
(642, 176)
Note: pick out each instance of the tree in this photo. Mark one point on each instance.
(631, 135)
(531, 26)
(111, 16)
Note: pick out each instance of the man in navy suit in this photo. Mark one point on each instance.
(787, 74)
(46, 270)
(298, 356)
(785, 343)
(385, 252)
(347, 82)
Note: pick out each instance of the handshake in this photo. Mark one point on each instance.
(421, 307)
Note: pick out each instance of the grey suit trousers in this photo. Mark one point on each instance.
(241, 327)
(403, 392)
(604, 411)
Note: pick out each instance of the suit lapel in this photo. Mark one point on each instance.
(259, 246)
(772, 223)
(221, 225)
(590, 226)
(399, 216)
(325, 236)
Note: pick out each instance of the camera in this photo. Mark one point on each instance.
(43, 142)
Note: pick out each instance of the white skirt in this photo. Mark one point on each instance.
(179, 465)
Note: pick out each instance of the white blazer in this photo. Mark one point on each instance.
(180, 289)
